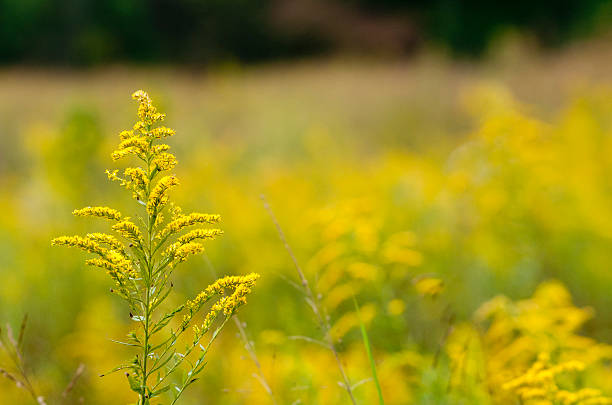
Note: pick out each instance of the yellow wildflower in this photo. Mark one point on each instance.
(396, 307)
(82, 243)
(128, 230)
(162, 132)
(219, 287)
(429, 286)
(182, 252)
(138, 179)
(175, 250)
(158, 196)
(118, 266)
(112, 176)
(123, 135)
(199, 234)
(102, 212)
(228, 304)
(164, 161)
(106, 239)
(183, 221)
(159, 148)
(146, 111)
(539, 382)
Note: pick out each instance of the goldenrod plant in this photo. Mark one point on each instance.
(142, 258)
(539, 385)
(529, 352)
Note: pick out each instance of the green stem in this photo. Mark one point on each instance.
(147, 281)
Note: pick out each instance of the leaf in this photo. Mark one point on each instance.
(160, 391)
(125, 343)
(166, 319)
(133, 337)
(161, 299)
(161, 364)
(366, 343)
(121, 367)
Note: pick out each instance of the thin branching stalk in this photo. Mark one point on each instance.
(77, 374)
(13, 348)
(248, 345)
(313, 303)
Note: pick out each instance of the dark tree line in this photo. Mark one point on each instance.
(82, 32)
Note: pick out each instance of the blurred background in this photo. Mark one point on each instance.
(426, 157)
(87, 32)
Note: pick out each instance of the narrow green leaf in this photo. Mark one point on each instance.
(160, 391)
(121, 367)
(166, 319)
(366, 343)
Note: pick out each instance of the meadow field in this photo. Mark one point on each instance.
(466, 207)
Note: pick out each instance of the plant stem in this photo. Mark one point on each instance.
(312, 301)
(147, 281)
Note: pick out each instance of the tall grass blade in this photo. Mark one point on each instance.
(366, 342)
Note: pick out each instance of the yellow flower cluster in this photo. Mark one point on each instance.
(159, 220)
(494, 354)
(162, 132)
(159, 196)
(164, 161)
(128, 230)
(538, 384)
(134, 145)
(159, 148)
(118, 266)
(585, 396)
(86, 244)
(199, 330)
(228, 304)
(106, 239)
(184, 251)
(113, 260)
(147, 113)
(199, 234)
(541, 373)
(183, 221)
(102, 212)
(428, 286)
(185, 246)
(139, 142)
(136, 179)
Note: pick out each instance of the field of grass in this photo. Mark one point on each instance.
(467, 207)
